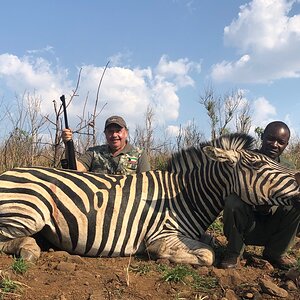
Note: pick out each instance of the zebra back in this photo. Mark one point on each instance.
(188, 159)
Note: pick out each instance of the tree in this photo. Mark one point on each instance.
(210, 102)
(189, 136)
(24, 145)
(222, 109)
(243, 118)
(144, 136)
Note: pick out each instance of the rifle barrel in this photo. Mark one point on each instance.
(63, 100)
(71, 162)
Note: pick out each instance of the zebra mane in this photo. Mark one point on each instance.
(233, 141)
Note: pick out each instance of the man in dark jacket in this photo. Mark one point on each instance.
(273, 227)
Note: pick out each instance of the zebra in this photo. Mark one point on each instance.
(164, 214)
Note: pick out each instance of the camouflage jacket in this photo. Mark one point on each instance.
(100, 160)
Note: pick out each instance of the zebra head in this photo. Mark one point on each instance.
(257, 179)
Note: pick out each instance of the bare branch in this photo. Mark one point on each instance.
(95, 114)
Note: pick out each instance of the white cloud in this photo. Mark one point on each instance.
(128, 92)
(263, 112)
(46, 49)
(177, 70)
(294, 131)
(119, 59)
(268, 40)
(124, 91)
(34, 76)
(172, 130)
(261, 24)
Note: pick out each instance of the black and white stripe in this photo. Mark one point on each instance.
(101, 215)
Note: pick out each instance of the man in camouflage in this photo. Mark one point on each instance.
(118, 156)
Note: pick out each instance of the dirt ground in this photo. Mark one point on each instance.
(61, 276)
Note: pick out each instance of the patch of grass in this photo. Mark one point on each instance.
(297, 267)
(188, 276)
(204, 283)
(217, 226)
(177, 274)
(140, 269)
(8, 288)
(20, 266)
(162, 268)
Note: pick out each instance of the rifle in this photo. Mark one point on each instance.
(69, 163)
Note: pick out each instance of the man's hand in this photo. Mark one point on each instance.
(66, 135)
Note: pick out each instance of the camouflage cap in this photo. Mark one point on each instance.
(115, 120)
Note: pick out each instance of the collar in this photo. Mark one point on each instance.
(128, 147)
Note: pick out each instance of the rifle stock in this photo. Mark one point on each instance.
(70, 163)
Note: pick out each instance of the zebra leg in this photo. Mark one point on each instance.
(181, 249)
(25, 247)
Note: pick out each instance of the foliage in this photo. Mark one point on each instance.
(159, 161)
(189, 136)
(292, 153)
(204, 283)
(297, 267)
(140, 269)
(223, 110)
(186, 275)
(8, 285)
(8, 288)
(259, 131)
(176, 274)
(217, 226)
(20, 266)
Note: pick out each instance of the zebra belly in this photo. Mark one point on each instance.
(109, 230)
(93, 243)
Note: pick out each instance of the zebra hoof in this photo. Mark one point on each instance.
(28, 255)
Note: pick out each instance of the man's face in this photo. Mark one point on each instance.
(116, 137)
(275, 139)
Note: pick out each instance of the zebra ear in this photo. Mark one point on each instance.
(221, 155)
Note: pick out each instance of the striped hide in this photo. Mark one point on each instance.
(162, 213)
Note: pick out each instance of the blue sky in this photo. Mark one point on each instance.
(162, 53)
